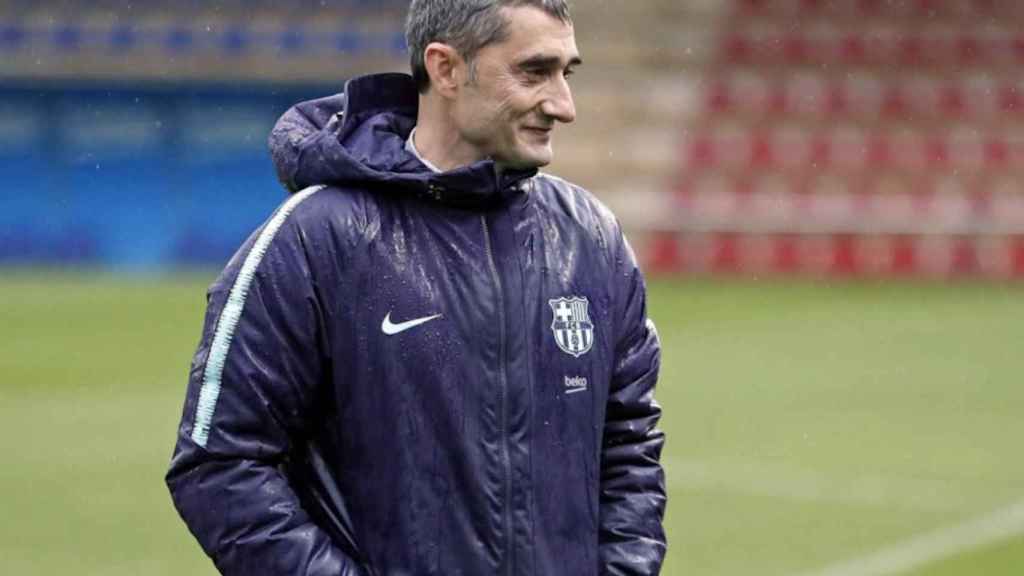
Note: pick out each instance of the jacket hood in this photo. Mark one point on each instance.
(357, 138)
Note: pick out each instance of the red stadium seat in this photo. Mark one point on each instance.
(887, 132)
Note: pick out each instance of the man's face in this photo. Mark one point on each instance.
(508, 110)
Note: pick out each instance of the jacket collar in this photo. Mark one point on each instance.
(394, 96)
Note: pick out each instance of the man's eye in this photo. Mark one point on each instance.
(568, 72)
(531, 76)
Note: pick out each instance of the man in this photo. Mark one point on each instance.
(431, 359)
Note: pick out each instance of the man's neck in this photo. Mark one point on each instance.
(410, 145)
(438, 142)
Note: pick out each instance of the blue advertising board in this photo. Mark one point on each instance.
(136, 178)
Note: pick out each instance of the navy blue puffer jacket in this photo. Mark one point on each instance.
(410, 373)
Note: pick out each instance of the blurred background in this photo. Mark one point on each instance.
(824, 195)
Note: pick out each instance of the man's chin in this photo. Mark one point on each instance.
(529, 161)
(522, 165)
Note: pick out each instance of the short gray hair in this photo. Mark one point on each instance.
(466, 25)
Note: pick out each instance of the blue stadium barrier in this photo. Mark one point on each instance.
(35, 214)
(112, 156)
(133, 178)
(224, 169)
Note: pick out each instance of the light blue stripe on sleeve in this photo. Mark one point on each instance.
(230, 315)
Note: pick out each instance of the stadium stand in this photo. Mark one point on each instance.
(237, 64)
(243, 62)
(856, 137)
(203, 41)
(818, 136)
(134, 135)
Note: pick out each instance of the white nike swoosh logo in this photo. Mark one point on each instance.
(391, 329)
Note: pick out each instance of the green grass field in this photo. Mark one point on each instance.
(813, 429)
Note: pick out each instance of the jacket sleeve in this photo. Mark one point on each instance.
(632, 506)
(251, 388)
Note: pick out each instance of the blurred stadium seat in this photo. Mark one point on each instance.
(201, 41)
(881, 125)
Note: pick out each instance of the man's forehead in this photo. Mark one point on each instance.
(533, 33)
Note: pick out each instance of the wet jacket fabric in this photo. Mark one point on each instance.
(410, 373)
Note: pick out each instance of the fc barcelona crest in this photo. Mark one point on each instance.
(574, 332)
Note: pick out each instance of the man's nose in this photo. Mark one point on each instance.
(559, 104)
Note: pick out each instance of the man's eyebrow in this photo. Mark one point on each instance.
(547, 62)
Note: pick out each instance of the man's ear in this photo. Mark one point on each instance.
(444, 68)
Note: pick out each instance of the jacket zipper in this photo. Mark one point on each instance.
(504, 396)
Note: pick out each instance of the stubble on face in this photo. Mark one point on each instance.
(516, 90)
